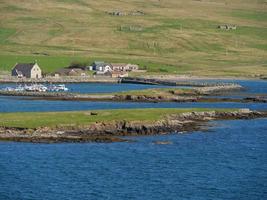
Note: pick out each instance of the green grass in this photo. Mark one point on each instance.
(47, 63)
(251, 15)
(159, 92)
(4, 34)
(82, 118)
(260, 46)
(173, 37)
(53, 63)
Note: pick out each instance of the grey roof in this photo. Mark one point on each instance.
(24, 67)
(66, 71)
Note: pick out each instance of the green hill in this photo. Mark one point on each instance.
(166, 36)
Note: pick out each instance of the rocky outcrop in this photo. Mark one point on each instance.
(155, 98)
(112, 131)
(211, 90)
(209, 87)
(255, 99)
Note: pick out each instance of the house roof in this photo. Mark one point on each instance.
(24, 67)
(66, 71)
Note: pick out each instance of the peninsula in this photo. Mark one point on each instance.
(110, 125)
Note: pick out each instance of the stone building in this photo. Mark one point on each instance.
(27, 70)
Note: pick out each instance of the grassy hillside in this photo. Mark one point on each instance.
(174, 36)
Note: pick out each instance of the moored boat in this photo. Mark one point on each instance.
(58, 88)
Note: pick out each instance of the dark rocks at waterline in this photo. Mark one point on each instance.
(255, 99)
(162, 142)
(65, 139)
(160, 98)
(112, 131)
(137, 80)
(63, 96)
(89, 97)
(218, 89)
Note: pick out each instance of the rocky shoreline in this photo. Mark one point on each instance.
(114, 131)
(199, 94)
(129, 98)
(66, 79)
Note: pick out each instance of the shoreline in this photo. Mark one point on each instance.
(116, 130)
(201, 94)
(61, 80)
(192, 77)
(166, 78)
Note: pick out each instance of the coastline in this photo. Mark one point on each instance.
(86, 79)
(192, 77)
(66, 79)
(114, 131)
(203, 94)
(194, 94)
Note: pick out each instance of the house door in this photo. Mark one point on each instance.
(37, 76)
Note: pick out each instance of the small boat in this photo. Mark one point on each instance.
(19, 89)
(58, 88)
(9, 89)
(35, 88)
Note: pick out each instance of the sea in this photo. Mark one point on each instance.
(225, 160)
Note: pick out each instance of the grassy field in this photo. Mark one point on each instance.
(80, 118)
(174, 36)
(165, 92)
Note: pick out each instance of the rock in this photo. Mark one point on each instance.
(162, 142)
(244, 110)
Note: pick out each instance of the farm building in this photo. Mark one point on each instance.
(118, 66)
(112, 74)
(118, 74)
(101, 66)
(103, 73)
(124, 67)
(27, 70)
(131, 67)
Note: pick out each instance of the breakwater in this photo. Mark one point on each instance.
(153, 81)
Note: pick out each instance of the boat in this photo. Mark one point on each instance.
(35, 88)
(58, 88)
(9, 89)
(20, 88)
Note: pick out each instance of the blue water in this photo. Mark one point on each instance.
(227, 162)
(12, 104)
(250, 86)
(17, 104)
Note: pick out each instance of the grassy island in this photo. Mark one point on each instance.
(80, 118)
(110, 125)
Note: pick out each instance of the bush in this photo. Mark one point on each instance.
(77, 64)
